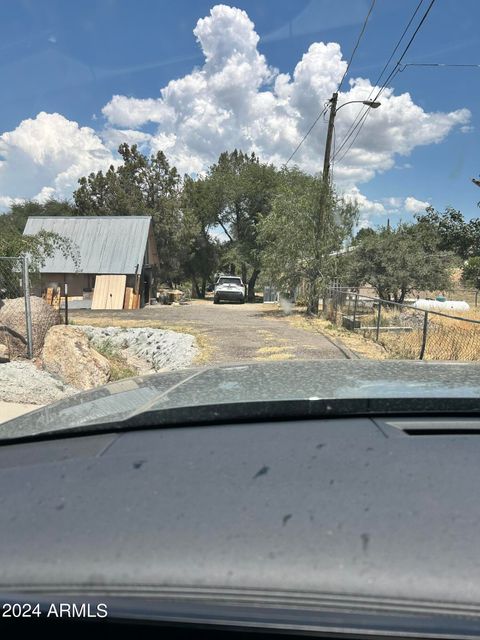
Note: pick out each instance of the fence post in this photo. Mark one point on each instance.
(355, 310)
(28, 310)
(66, 302)
(476, 298)
(379, 314)
(424, 336)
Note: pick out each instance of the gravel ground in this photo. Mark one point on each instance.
(147, 349)
(155, 349)
(23, 382)
(236, 332)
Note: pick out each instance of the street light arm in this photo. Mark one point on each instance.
(368, 103)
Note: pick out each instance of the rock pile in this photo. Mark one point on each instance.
(67, 354)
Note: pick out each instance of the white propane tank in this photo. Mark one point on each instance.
(438, 305)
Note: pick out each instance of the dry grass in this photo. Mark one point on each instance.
(275, 357)
(206, 349)
(119, 366)
(363, 347)
(272, 350)
(357, 343)
(447, 338)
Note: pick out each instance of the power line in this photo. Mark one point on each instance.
(306, 135)
(362, 111)
(424, 17)
(436, 64)
(365, 22)
(341, 82)
(391, 75)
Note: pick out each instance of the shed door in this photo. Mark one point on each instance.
(109, 292)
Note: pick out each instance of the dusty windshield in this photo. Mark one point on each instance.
(321, 156)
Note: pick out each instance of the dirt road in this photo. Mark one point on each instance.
(235, 332)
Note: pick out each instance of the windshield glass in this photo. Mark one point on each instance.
(242, 184)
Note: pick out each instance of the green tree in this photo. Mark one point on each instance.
(200, 250)
(304, 232)
(20, 212)
(471, 272)
(365, 232)
(454, 232)
(37, 247)
(242, 190)
(398, 261)
(141, 185)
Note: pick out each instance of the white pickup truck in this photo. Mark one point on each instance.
(229, 288)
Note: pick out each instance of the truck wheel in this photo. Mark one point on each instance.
(215, 301)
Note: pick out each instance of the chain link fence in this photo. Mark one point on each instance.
(472, 296)
(405, 331)
(16, 335)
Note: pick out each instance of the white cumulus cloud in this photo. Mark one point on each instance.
(365, 206)
(412, 205)
(45, 156)
(234, 100)
(237, 100)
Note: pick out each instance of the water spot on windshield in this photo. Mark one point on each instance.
(365, 541)
(286, 518)
(261, 472)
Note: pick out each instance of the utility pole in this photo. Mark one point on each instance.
(319, 225)
(328, 143)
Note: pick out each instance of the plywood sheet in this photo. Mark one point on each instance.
(109, 292)
(127, 303)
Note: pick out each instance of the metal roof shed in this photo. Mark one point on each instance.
(107, 245)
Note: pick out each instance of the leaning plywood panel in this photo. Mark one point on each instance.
(109, 292)
(99, 298)
(127, 303)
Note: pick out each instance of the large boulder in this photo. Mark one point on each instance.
(67, 354)
(13, 329)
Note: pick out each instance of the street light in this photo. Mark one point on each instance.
(373, 104)
(368, 103)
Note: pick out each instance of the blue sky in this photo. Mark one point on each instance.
(71, 58)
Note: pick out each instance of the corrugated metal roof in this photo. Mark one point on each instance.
(107, 244)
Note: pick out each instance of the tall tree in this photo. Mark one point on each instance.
(399, 261)
(200, 250)
(471, 272)
(242, 190)
(301, 238)
(454, 232)
(140, 185)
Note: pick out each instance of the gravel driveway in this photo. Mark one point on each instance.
(236, 332)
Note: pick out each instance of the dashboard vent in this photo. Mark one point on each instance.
(431, 427)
